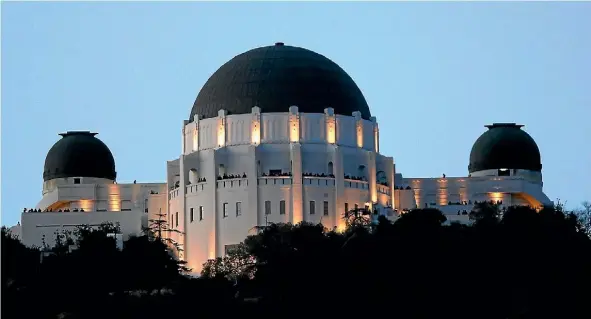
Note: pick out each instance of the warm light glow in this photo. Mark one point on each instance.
(443, 199)
(376, 138)
(211, 250)
(496, 196)
(442, 194)
(359, 134)
(331, 130)
(417, 198)
(195, 139)
(256, 132)
(221, 132)
(298, 216)
(341, 227)
(114, 198)
(86, 204)
(294, 135)
(463, 195)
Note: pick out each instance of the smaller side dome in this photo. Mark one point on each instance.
(79, 154)
(505, 145)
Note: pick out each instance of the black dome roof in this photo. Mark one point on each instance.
(277, 77)
(79, 154)
(505, 145)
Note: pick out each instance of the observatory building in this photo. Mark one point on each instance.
(278, 134)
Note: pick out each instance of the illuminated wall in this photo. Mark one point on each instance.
(442, 193)
(196, 138)
(221, 131)
(114, 198)
(376, 134)
(294, 124)
(255, 126)
(331, 126)
(359, 128)
(86, 204)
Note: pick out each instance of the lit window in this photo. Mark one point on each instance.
(267, 207)
(282, 207)
(325, 208)
(225, 207)
(312, 207)
(238, 209)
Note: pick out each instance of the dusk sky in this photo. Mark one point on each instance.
(433, 74)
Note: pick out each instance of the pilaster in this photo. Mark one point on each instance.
(358, 128)
(339, 172)
(297, 189)
(252, 212)
(371, 176)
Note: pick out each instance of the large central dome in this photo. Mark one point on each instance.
(277, 77)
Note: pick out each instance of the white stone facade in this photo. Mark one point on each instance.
(75, 201)
(279, 168)
(237, 172)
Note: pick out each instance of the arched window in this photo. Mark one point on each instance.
(221, 170)
(193, 176)
(361, 171)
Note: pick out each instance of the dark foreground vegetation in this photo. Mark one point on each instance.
(523, 264)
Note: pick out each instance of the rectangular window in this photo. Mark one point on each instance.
(312, 207)
(200, 212)
(238, 209)
(282, 207)
(177, 219)
(346, 207)
(191, 214)
(267, 207)
(76, 180)
(225, 207)
(325, 208)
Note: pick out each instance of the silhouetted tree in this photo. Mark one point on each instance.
(519, 263)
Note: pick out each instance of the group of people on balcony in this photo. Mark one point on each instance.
(229, 176)
(402, 187)
(48, 210)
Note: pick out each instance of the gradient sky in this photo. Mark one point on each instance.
(433, 73)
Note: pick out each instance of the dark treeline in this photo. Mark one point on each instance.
(523, 264)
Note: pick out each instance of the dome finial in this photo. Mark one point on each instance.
(70, 133)
(495, 125)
